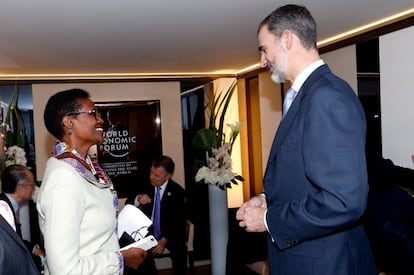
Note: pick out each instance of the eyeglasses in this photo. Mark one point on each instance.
(29, 185)
(93, 112)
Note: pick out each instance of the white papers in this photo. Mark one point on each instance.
(133, 221)
(147, 243)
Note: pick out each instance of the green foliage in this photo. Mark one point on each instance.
(14, 131)
(213, 137)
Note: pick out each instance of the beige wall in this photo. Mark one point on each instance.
(342, 62)
(234, 194)
(167, 92)
(270, 113)
(397, 96)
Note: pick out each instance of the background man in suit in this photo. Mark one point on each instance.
(172, 233)
(316, 178)
(389, 217)
(17, 188)
(14, 256)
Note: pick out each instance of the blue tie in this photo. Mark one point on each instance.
(290, 96)
(156, 218)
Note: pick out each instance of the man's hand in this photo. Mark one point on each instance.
(37, 251)
(143, 199)
(160, 247)
(253, 219)
(251, 214)
(257, 201)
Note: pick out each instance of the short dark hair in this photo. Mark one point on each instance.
(164, 161)
(11, 176)
(58, 106)
(296, 19)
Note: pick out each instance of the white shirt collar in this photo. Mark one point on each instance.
(162, 188)
(301, 78)
(13, 202)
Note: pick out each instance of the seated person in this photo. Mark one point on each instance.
(171, 229)
(389, 218)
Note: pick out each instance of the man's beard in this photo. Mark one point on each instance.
(279, 70)
(278, 76)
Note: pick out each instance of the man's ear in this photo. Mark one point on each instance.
(287, 39)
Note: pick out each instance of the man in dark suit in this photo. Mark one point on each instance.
(14, 256)
(316, 178)
(172, 235)
(17, 186)
(389, 217)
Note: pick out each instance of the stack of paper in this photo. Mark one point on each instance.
(134, 222)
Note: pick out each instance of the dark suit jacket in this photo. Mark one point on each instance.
(28, 244)
(173, 214)
(389, 217)
(14, 257)
(387, 200)
(172, 223)
(3, 197)
(316, 183)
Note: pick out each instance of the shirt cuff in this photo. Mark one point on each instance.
(265, 221)
(136, 202)
(121, 262)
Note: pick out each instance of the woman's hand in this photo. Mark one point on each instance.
(134, 257)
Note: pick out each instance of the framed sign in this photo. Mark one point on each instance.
(132, 139)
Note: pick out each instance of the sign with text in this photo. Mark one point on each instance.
(132, 139)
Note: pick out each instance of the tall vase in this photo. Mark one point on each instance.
(219, 229)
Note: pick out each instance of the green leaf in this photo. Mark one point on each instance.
(238, 177)
(204, 139)
(226, 101)
(16, 132)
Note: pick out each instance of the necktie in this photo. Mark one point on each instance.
(156, 218)
(18, 224)
(290, 96)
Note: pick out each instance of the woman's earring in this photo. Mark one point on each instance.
(70, 132)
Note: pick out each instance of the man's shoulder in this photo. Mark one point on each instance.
(174, 185)
(4, 197)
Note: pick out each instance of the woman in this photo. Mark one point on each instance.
(76, 202)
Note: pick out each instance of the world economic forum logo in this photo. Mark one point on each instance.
(117, 142)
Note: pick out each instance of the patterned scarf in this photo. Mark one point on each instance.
(87, 168)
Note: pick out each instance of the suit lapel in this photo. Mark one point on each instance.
(284, 125)
(13, 234)
(17, 224)
(294, 109)
(168, 190)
